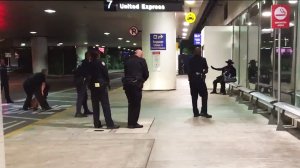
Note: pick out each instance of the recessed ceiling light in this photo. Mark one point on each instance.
(124, 48)
(50, 11)
(267, 30)
(33, 32)
(183, 37)
(134, 44)
(85, 43)
(190, 2)
(23, 44)
(103, 46)
(97, 45)
(185, 29)
(186, 24)
(249, 23)
(106, 33)
(266, 14)
(120, 38)
(127, 41)
(119, 47)
(128, 49)
(292, 24)
(292, 1)
(59, 44)
(184, 34)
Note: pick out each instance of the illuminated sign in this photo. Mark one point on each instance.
(190, 17)
(197, 39)
(158, 41)
(280, 16)
(113, 5)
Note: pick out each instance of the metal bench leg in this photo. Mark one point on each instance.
(250, 106)
(238, 96)
(272, 119)
(241, 98)
(255, 106)
(280, 122)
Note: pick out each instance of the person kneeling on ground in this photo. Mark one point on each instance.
(35, 85)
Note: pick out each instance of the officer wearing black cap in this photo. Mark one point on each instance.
(228, 70)
(98, 84)
(197, 70)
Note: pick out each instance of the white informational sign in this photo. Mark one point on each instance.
(156, 60)
(7, 55)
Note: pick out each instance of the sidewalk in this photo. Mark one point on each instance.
(172, 137)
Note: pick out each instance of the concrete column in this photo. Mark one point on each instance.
(39, 50)
(80, 51)
(2, 152)
(162, 68)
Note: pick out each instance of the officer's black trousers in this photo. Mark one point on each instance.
(101, 95)
(81, 98)
(220, 80)
(134, 97)
(38, 95)
(5, 86)
(198, 88)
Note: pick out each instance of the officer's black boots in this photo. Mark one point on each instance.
(80, 115)
(205, 115)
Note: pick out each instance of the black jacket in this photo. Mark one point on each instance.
(227, 70)
(197, 68)
(3, 72)
(136, 67)
(98, 73)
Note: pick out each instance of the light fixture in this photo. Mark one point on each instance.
(134, 44)
(185, 13)
(249, 23)
(266, 14)
(106, 33)
(184, 34)
(23, 44)
(127, 41)
(120, 38)
(85, 43)
(185, 29)
(128, 49)
(293, 1)
(60, 44)
(119, 47)
(292, 24)
(183, 37)
(50, 11)
(186, 24)
(97, 45)
(103, 46)
(124, 48)
(190, 2)
(32, 32)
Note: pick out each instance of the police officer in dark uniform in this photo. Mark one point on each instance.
(136, 73)
(35, 85)
(4, 80)
(197, 70)
(227, 70)
(81, 78)
(98, 84)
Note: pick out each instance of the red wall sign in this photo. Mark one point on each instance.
(281, 16)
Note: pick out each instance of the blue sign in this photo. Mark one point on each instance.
(158, 41)
(197, 39)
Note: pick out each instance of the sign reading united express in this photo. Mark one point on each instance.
(114, 5)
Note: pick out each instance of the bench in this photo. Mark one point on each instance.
(264, 88)
(242, 91)
(266, 100)
(289, 110)
(231, 87)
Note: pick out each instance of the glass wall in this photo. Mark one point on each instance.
(255, 50)
(297, 83)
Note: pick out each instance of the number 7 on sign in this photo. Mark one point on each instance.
(110, 2)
